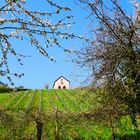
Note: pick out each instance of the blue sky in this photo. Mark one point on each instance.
(38, 69)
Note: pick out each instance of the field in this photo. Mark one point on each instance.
(58, 114)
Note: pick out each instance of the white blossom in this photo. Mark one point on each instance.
(13, 33)
(23, 1)
(1, 19)
(69, 25)
(62, 36)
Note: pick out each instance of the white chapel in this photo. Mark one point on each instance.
(61, 83)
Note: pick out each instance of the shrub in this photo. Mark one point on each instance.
(4, 88)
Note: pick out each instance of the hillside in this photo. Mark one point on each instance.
(58, 113)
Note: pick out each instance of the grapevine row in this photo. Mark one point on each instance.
(11, 100)
(21, 99)
(40, 104)
(30, 102)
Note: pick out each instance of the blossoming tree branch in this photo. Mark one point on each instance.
(18, 22)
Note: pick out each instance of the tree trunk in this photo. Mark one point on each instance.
(56, 137)
(39, 125)
(113, 133)
(113, 136)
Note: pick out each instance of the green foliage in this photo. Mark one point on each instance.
(132, 136)
(4, 88)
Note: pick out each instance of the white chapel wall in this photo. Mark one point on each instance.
(61, 82)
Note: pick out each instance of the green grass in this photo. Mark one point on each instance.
(58, 110)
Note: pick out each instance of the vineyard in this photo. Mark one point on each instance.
(52, 114)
